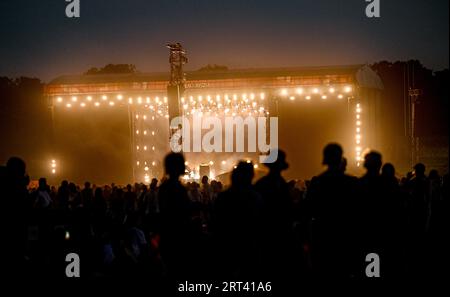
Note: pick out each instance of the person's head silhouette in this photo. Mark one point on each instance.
(16, 167)
(42, 183)
(388, 170)
(434, 175)
(279, 165)
(242, 175)
(153, 184)
(332, 156)
(372, 162)
(419, 169)
(174, 165)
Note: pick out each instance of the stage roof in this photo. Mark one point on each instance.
(360, 75)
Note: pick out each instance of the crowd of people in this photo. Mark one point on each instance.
(266, 229)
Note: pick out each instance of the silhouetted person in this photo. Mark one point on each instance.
(174, 209)
(205, 191)
(63, 195)
(330, 197)
(87, 195)
(74, 196)
(276, 218)
(98, 210)
(130, 198)
(237, 225)
(388, 172)
(14, 182)
(42, 199)
(419, 189)
(380, 214)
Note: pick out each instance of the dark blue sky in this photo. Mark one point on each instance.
(38, 40)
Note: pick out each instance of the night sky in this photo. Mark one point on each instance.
(37, 39)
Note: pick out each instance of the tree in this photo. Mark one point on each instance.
(213, 68)
(112, 69)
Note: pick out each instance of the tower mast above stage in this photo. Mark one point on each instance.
(175, 88)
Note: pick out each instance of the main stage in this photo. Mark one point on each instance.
(115, 128)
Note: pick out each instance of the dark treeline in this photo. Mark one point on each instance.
(25, 120)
